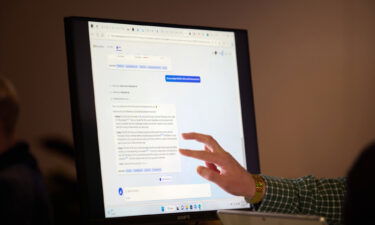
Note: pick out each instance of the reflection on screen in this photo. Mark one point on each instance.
(151, 84)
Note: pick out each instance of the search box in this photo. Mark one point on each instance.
(161, 39)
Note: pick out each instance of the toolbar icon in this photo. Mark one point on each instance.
(120, 191)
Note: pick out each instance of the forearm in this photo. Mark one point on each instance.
(306, 195)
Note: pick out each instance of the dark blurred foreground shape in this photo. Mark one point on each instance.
(23, 196)
(62, 187)
(360, 198)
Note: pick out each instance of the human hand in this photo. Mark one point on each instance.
(221, 168)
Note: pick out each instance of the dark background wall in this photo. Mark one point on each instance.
(313, 66)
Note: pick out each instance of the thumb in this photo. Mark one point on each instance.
(209, 174)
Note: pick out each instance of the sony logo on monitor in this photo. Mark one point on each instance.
(184, 217)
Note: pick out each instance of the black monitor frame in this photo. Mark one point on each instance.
(85, 126)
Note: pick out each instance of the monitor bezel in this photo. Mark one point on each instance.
(85, 125)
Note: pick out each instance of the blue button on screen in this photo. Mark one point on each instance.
(180, 78)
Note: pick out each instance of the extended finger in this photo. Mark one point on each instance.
(201, 155)
(209, 174)
(203, 138)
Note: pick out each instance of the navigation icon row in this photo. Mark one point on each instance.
(181, 207)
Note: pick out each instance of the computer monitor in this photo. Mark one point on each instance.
(135, 87)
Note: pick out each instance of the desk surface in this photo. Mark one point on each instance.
(212, 222)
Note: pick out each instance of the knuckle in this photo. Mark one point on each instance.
(226, 155)
(210, 139)
(209, 176)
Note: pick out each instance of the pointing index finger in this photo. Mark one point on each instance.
(202, 155)
(209, 141)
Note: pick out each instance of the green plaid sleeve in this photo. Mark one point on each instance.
(306, 195)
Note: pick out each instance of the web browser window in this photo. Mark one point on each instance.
(150, 85)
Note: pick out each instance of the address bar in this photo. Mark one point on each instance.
(174, 40)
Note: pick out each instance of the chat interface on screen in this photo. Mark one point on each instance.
(150, 85)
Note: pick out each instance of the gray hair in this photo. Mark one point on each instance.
(9, 106)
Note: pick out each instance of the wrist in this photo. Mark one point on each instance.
(258, 191)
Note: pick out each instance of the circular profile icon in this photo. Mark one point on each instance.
(120, 191)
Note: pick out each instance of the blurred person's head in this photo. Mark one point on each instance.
(360, 198)
(9, 111)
